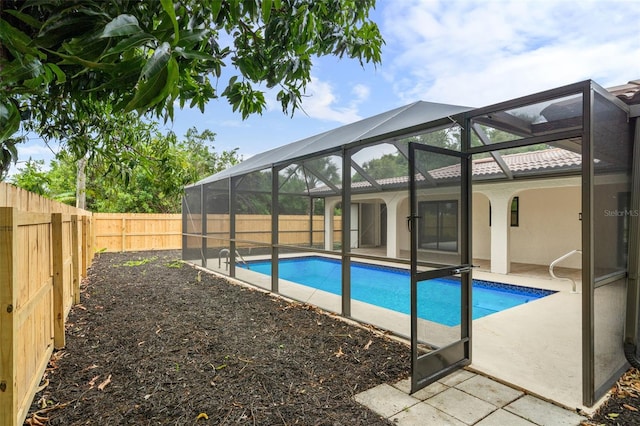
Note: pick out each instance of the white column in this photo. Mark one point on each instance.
(500, 230)
(393, 229)
(328, 224)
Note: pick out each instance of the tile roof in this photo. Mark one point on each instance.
(629, 93)
(552, 159)
(531, 162)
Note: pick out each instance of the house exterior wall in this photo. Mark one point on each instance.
(481, 237)
(549, 226)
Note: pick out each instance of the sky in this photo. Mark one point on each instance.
(460, 52)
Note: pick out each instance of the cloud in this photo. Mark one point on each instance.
(477, 53)
(321, 101)
(36, 148)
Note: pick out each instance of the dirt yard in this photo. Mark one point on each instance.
(156, 342)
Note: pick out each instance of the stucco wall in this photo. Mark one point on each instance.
(549, 226)
(404, 237)
(481, 231)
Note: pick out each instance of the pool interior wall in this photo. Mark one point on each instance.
(389, 287)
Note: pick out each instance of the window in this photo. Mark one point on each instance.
(438, 225)
(514, 213)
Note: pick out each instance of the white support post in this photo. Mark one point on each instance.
(393, 229)
(500, 231)
(328, 224)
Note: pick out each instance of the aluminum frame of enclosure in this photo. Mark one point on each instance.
(601, 117)
(591, 391)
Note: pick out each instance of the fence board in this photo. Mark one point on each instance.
(137, 231)
(28, 287)
(141, 231)
(8, 346)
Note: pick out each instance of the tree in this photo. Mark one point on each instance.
(147, 180)
(58, 58)
(31, 177)
(387, 166)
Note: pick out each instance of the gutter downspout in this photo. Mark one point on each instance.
(633, 285)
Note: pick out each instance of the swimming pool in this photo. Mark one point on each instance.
(438, 299)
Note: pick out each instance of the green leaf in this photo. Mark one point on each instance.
(27, 19)
(120, 26)
(158, 61)
(129, 43)
(9, 120)
(215, 9)
(168, 7)
(189, 38)
(156, 88)
(192, 54)
(266, 10)
(60, 75)
(90, 48)
(59, 28)
(28, 69)
(76, 60)
(16, 40)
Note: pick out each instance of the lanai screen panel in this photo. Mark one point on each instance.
(302, 188)
(217, 225)
(323, 176)
(251, 226)
(378, 182)
(521, 122)
(525, 144)
(612, 155)
(192, 225)
(252, 208)
(294, 207)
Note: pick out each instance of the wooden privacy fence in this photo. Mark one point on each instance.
(44, 254)
(141, 231)
(137, 231)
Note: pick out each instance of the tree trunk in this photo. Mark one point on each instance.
(81, 184)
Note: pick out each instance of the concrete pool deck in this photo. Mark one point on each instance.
(464, 398)
(535, 347)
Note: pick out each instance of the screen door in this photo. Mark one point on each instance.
(439, 221)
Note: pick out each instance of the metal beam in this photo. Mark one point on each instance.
(366, 175)
(495, 154)
(403, 149)
(317, 174)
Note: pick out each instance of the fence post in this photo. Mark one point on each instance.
(122, 233)
(58, 280)
(8, 279)
(91, 242)
(75, 256)
(85, 245)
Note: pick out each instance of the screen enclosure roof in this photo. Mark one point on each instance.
(386, 123)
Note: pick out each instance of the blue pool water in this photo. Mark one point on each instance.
(438, 299)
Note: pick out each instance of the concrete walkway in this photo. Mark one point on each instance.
(464, 398)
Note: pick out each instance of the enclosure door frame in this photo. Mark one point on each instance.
(428, 367)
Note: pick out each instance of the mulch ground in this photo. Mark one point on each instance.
(623, 406)
(155, 341)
